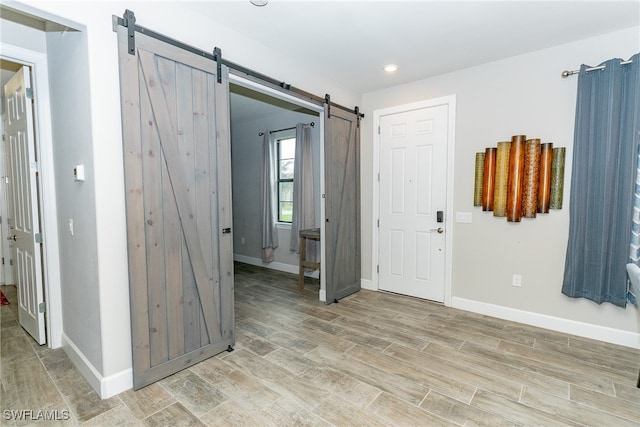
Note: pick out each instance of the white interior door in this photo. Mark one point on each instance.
(413, 178)
(25, 229)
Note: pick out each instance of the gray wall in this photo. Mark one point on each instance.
(71, 127)
(246, 160)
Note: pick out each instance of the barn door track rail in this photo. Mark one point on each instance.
(128, 21)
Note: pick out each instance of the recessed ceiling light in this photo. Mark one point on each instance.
(390, 68)
(259, 2)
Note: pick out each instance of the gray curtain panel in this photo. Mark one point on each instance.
(303, 195)
(607, 133)
(268, 198)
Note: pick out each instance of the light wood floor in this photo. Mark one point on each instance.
(372, 359)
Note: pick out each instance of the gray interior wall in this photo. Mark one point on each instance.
(246, 160)
(71, 126)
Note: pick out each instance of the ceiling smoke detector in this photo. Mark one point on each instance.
(259, 3)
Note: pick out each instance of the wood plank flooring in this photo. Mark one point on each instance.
(372, 359)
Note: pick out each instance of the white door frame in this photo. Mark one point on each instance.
(46, 185)
(450, 102)
(6, 273)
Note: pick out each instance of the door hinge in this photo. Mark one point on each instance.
(11, 262)
(378, 223)
(29, 92)
(42, 307)
(2, 260)
(378, 177)
(38, 237)
(378, 268)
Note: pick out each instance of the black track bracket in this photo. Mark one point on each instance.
(229, 349)
(130, 23)
(217, 54)
(327, 100)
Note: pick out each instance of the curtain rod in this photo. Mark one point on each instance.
(280, 130)
(568, 73)
(129, 21)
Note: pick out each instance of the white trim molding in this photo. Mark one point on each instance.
(106, 387)
(368, 285)
(274, 265)
(581, 329)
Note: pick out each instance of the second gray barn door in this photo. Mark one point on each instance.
(342, 203)
(178, 200)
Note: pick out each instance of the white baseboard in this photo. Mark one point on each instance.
(368, 284)
(274, 265)
(587, 330)
(106, 387)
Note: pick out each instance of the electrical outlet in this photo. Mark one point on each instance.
(517, 280)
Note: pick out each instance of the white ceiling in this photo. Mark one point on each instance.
(352, 40)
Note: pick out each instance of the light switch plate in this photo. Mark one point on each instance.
(463, 217)
(78, 173)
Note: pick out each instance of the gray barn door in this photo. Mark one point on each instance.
(342, 203)
(175, 118)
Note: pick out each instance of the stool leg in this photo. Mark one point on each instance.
(303, 254)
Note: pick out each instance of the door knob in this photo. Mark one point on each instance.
(440, 230)
(14, 238)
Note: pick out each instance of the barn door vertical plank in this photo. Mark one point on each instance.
(219, 94)
(136, 245)
(189, 156)
(200, 178)
(167, 70)
(173, 258)
(193, 317)
(154, 230)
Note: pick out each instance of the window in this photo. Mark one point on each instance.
(286, 155)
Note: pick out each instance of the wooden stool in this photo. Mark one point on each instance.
(311, 234)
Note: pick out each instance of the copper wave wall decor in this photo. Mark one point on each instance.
(520, 178)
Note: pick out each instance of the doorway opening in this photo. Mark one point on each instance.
(255, 109)
(21, 232)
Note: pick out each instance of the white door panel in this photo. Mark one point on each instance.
(22, 172)
(413, 172)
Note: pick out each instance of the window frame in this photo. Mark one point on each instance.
(283, 135)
